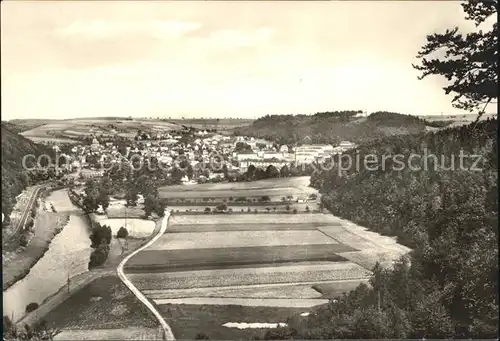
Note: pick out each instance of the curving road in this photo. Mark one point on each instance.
(167, 331)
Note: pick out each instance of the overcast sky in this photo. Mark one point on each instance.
(218, 59)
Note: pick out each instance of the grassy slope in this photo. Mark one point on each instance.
(105, 303)
(189, 320)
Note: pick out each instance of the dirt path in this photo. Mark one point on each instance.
(168, 334)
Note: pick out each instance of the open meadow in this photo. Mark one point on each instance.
(295, 273)
(188, 321)
(275, 188)
(237, 239)
(104, 304)
(211, 264)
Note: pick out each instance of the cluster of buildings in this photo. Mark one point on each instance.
(307, 153)
(197, 148)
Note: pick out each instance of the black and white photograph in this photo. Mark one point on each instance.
(249, 170)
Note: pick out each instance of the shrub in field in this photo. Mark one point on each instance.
(31, 307)
(122, 233)
(294, 210)
(99, 234)
(242, 210)
(222, 207)
(23, 241)
(99, 255)
(274, 209)
(307, 209)
(249, 210)
(201, 336)
(207, 210)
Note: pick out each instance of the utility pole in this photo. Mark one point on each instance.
(379, 313)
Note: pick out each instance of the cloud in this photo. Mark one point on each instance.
(99, 29)
(240, 38)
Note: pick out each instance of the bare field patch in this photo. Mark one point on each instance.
(117, 209)
(254, 291)
(252, 219)
(248, 276)
(367, 258)
(205, 240)
(299, 181)
(246, 302)
(344, 236)
(281, 191)
(173, 260)
(110, 334)
(337, 288)
(243, 227)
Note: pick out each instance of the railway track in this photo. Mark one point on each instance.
(27, 210)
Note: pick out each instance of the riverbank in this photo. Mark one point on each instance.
(83, 280)
(17, 265)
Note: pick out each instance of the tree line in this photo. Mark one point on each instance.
(447, 288)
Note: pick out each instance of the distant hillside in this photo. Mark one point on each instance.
(219, 124)
(14, 179)
(332, 127)
(20, 125)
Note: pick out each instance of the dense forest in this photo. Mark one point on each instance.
(332, 127)
(14, 177)
(447, 287)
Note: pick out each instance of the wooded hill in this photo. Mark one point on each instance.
(14, 177)
(332, 127)
(448, 288)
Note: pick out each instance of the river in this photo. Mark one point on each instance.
(68, 255)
